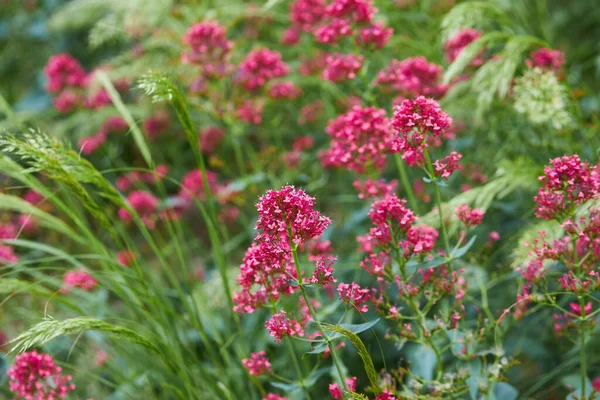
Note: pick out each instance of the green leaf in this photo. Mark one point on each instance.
(138, 136)
(358, 328)
(473, 384)
(461, 251)
(505, 391)
(573, 383)
(422, 361)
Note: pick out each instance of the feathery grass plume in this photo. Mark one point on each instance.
(473, 14)
(42, 152)
(14, 286)
(540, 96)
(50, 329)
(509, 178)
(362, 352)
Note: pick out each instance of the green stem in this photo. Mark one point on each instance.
(288, 341)
(438, 201)
(313, 314)
(406, 183)
(582, 359)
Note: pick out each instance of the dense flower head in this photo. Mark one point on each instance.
(115, 124)
(341, 67)
(311, 112)
(360, 140)
(336, 391)
(353, 295)
(7, 255)
(355, 10)
(8, 231)
(576, 308)
(566, 182)
(331, 32)
(90, 144)
(66, 102)
(284, 90)
(289, 211)
(323, 273)
(157, 124)
(461, 39)
(371, 189)
(376, 34)
(412, 77)
(64, 71)
(208, 47)
(391, 211)
(419, 240)
(534, 271)
(79, 279)
(469, 216)
(414, 121)
(261, 66)
(250, 112)
(264, 275)
(306, 14)
(144, 204)
(95, 101)
(133, 178)
(303, 143)
(280, 326)
(35, 376)
(126, 258)
(313, 65)
(447, 165)
(258, 363)
(546, 59)
(192, 184)
(290, 36)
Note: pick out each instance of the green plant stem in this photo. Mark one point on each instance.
(313, 314)
(288, 342)
(438, 201)
(582, 360)
(406, 183)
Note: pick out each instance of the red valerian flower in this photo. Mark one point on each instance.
(412, 77)
(258, 364)
(7, 255)
(360, 140)
(250, 112)
(64, 71)
(546, 59)
(144, 204)
(208, 48)
(372, 189)
(469, 216)
(355, 10)
(273, 396)
(280, 326)
(284, 90)
(341, 67)
(457, 43)
(376, 34)
(78, 279)
(336, 392)
(353, 295)
(289, 211)
(415, 121)
(323, 273)
(447, 165)
(261, 66)
(35, 376)
(306, 14)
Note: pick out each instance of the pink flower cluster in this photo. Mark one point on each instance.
(260, 67)
(546, 59)
(209, 138)
(144, 204)
(7, 255)
(289, 212)
(35, 376)
(376, 34)
(371, 189)
(250, 112)
(273, 396)
(63, 71)
(360, 140)
(323, 274)
(447, 165)
(306, 14)
(280, 326)
(258, 364)
(208, 48)
(457, 43)
(469, 216)
(412, 77)
(285, 90)
(78, 279)
(133, 178)
(566, 183)
(342, 67)
(352, 295)
(361, 11)
(415, 121)
(336, 391)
